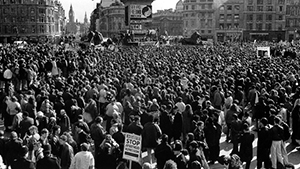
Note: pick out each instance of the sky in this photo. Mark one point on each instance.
(82, 6)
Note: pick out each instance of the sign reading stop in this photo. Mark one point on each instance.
(132, 147)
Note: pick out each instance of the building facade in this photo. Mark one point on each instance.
(198, 15)
(264, 20)
(292, 19)
(229, 19)
(169, 21)
(34, 20)
(112, 19)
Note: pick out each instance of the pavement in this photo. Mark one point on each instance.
(226, 148)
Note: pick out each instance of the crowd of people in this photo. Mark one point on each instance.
(69, 109)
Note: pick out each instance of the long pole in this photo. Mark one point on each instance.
(130, 164)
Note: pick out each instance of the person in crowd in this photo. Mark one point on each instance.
(179, 158)
(98, 135)
(82, 136)
(83, 159)
(64, 121)
(263, 144)
(49, 161)
(66, 152)
(150, 135)
(135, 126)
(22, 162)
(277, 134)
(170, 164)
(25, 124)
(163, 152)
(246, 149)
(236, 130)
(197, 154)
(12, 148)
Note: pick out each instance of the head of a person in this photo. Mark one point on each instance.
(63, 139)
(45, 133)
(170, 164)
(277, 120)
(13, 135)
(164, 138)
(47, 149)
(193, 146)
(24, 150)
(84, 147)
(56, 130)
(33, 130)
(99, 120)
(264, 122)
(146, 166)
(25, 114)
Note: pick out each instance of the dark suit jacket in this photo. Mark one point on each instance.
(48, 163)
(25, 124)
(135, 128)
(22, 163)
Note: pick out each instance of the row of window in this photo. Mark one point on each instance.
(198, 7)
(260, 17)
(26, 19)
(40, 2)
(187, 1)
(261, 26)
(261, 8)
(250, 2)
(229, 16)
(200, 15)
(203, 23)
(25, 11)
(24, 29)
(229, 26)
(292, 22)
(230, 7)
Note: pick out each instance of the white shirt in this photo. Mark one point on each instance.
(83, 160)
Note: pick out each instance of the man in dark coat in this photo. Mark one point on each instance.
(48, 162)
(246, 149)
(177, 124)
(236, 129)
(213, 134)
(25, 123)
(179, 158)
(163, 152)
(13, 147)
(66, 153)
(135, 126)
(150, 135)
(263, 144)
(82, 136)
(22, 162)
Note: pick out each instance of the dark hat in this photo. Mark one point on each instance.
(47, 148)
(177, 147)
(194, 144)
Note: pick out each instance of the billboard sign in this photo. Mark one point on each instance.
(140, 11)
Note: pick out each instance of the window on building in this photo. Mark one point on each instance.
(269, 26)
(186, 7)
(250, 17)
(222, 8)
(193, 7)
(193, 23)
(281, 2)
(41, 19)
(259, 17)
(32, 11)
(221, 26)
(236, 25)
(259, 26)
(33, 29)
(250, 2)
(229, 7)
(186, 23)
(202, 6)
(237, 7)
(269, 17)
(193, 14)
(209, 6)
(202, 23)
(280, 17)
(269, 1)
(42, 11)
(32, 19)
(269, 8)
(209, 15)
(229, 16)
(209, 31)
(280, 8)
(260, 8)
(236, 16)
(222, 16)
(202, 31)
(4, 2)
(249, 8)
(13, 1)
(6, 29)
(5, 10)
(260, 2)
(279, 27)
(229, 26)
(209, 23)
(13, 19)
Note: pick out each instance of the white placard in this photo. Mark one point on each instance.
(132, 147)
(263, 52)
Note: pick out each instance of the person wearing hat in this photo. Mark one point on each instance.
(179, 157)
(83, 159)
(13, 146)
(48, 162)
(163, 152)
(22, 162)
